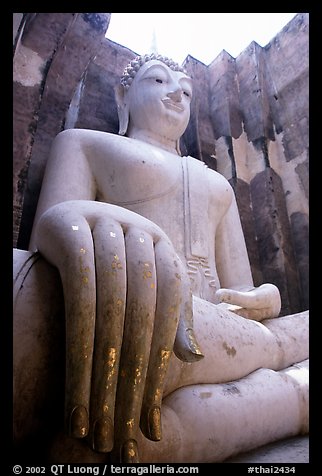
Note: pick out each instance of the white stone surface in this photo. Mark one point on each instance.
(287, 451)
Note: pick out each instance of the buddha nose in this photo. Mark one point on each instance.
(175, 95)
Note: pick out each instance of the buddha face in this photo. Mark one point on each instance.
(158, 100)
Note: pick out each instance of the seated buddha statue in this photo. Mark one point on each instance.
(157, 284)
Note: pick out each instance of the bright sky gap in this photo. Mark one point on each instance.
(202, 35)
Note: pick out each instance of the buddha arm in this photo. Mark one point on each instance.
(234, 271)
(68, 176)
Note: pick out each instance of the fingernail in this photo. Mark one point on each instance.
(129, 452)
(155, 423)
(78, 423)
(103, 435)
(150, 422)
(194, 346)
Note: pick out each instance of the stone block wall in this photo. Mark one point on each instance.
(249, 122)
(52, 54)
(259, 110)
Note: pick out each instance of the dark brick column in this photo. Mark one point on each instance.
(67, 42)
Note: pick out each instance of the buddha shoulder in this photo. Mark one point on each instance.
(220, 189)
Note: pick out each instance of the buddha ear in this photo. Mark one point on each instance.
(122, 109)
(178, 147)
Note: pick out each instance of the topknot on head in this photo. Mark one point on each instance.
(133, 67)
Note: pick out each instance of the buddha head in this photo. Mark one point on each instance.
(154, 96)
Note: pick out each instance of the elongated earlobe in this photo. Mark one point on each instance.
(122, 109)
(178, 147)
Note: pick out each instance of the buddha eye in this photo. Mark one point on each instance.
(186, 94)
(158, 80)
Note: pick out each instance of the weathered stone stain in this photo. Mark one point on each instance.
(205, 394)
(230, 388)
(28, 67)
(231, 351)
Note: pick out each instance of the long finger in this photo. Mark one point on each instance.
(169, 297)
(65, 240)
(186, 346)
(110, 312)
(138, 328)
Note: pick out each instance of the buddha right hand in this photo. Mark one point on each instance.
(112, 263)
